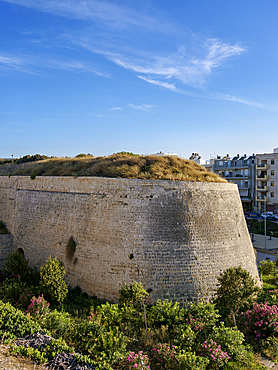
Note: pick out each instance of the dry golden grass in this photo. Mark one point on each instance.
(116, 165)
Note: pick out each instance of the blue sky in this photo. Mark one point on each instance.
(102, 76)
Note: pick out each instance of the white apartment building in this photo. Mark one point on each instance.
(266, 188)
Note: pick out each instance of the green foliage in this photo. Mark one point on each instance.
(16, 264)
(11, 290)
(92, 339)
(109, 315)
(52, 275)
(60, 324)
(166, 314)
(30, 158)
(202, 315)
(231, 341)
(237, 290)
(133, 294)
(270, 296)
(267, 267)
(14, 323)
(43, 353)
(190, 361)
(3, 228)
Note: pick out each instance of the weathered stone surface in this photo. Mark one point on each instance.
(6, 242)
(180, 234)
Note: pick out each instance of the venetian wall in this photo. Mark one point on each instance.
(174, 237)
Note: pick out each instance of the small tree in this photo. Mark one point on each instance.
(16, 264)
(237, 289)
(52, 279)
(133, 294)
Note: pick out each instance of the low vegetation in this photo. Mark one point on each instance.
(126, 165)
(120, 336)
(257, 227)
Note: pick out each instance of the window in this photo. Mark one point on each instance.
(272, 172)
(272, 161)
(272, 183)
(272, 195)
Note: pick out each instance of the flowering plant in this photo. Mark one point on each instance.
(262, 321)
(133, 360)
(38, 307)
(214, 353)
(164, 356)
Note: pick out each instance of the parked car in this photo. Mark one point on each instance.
(271, 218)
(267, 214)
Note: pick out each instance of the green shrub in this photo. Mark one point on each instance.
(236, 290)
(133, 294)
(11, 290)
(14, 323)
(267, 267)
(60, 324)
(166, 314)
(231, 341)
(109, 314)
(93, 340)
(52, 280)
(190, 361)
(43, 353)
(270, 296)
(16, 264)
(202, 315)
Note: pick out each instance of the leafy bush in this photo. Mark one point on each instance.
(236, 291)
(109, 315)
(43, 353)
(133, 294)
(231, 341)
(14, 323)
(11, 290)
(269, 296)
(166, 314)
(60, 324)
(91, 338)
(190, 361)
(16, 264)
(52, 280)
(267, 267)
(201, 317)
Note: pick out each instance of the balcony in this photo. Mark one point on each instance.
(262, 199)
(262, 178)
(262, 167)
(262, 188)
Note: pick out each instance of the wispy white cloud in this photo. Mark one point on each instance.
(102, 11)
(159, 83)
(245, 101)
(115, 109)
(32, 64)
(180, 66)
(144, 107)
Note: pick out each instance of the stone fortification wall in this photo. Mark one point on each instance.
(174, 237)
(5, 247)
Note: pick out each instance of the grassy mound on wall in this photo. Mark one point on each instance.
(117, 165)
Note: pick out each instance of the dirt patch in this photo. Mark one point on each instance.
(9, 362)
